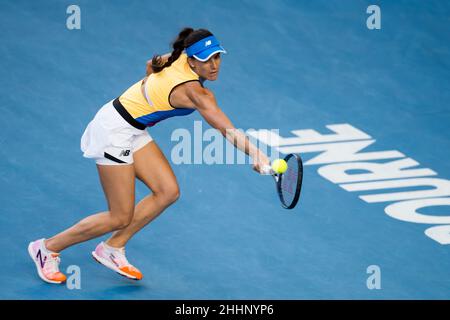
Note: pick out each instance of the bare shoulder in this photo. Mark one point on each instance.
(199, 95)
(190, 95)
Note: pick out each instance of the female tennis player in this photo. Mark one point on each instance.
(117, 139)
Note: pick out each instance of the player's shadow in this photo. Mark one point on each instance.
(114, 286)
(127, 289)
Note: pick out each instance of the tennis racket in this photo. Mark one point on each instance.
(289, 183)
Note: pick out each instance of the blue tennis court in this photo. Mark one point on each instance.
(338, 92)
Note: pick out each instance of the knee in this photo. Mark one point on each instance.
(121, 221)
(175, 195)
(170, 194)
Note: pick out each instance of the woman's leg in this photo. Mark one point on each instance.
(152, 168)
(118, 182)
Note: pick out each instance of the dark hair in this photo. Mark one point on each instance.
(186, 37)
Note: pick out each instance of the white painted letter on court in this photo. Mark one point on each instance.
(374, 20)
(74, 20)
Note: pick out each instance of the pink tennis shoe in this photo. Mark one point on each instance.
(115, 259)
(47, 262)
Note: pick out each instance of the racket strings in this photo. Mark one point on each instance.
(289, 181)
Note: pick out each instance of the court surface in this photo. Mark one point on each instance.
(291, 65)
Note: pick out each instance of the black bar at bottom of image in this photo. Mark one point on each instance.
(227, 309)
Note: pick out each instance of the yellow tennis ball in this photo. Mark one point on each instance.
(279, 166)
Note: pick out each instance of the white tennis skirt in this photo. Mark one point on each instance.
(110, 139)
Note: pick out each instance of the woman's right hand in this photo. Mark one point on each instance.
(261, 163)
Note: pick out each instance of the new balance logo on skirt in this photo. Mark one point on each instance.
(124, 153)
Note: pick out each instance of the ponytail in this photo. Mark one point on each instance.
(178, 47)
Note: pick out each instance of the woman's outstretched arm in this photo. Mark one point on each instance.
(206, 104)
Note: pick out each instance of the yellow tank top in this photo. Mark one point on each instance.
(146, 112)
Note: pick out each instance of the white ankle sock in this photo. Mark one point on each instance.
(112, 248)
(45, 248)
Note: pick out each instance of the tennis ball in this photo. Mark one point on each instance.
(279, 166)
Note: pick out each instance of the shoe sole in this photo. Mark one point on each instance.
(109, 265)
(38, 268)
